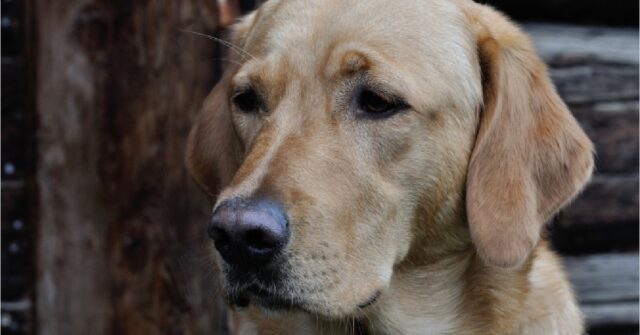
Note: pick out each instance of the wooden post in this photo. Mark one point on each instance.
(121, 246)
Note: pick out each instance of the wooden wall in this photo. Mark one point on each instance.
(595, 70)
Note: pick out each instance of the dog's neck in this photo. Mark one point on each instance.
(459, 294)
(442, 286)
(427, 290)
(423, 299)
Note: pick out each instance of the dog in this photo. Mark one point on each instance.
(387, 167)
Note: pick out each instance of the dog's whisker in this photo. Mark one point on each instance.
(241, 52)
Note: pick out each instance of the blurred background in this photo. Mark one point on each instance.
(103, 231)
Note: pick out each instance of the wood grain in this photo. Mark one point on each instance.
(607, 287)
(120, 223)
(601, 278)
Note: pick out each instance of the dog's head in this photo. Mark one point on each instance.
(346, 138)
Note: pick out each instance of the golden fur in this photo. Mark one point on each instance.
(440, 207)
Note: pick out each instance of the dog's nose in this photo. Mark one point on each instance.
(248, 230)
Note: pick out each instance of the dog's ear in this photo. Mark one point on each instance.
(213, 149)
(530, 157)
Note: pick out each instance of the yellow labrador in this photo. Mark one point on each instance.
(386, 167)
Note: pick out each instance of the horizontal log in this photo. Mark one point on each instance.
(559, 44)
(607, 199)
(604, 278)
(617, 314)
(613, 128)
(603, 218)
(579, 238)
(17, 305)
(607, 287)
(587, 82)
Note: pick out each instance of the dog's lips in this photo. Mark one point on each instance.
(371, 300)
(257, 295)
(272, 293)
(271, 302)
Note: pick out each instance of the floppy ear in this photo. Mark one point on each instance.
(213, 150)
(530, 157)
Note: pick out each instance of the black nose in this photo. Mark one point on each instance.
(246, 231)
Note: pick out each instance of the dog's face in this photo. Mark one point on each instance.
(341, 137)
(349, 128)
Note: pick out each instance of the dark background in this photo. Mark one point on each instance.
(102, 229)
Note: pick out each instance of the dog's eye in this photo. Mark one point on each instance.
(376, 105)
(247, 101)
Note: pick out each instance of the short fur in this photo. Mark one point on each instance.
(439, 207)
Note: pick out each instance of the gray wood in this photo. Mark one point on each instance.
(613, 127)
(615, 314)
(607, 199)
(607, 287)
(604, 278)
(557, 42)
(586, 82)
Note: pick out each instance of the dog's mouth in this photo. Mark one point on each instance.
(267, 299)
(266, 289)
(372, 300)
(272, 291)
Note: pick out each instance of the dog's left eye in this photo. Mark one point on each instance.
(247, 101)
(373, 104)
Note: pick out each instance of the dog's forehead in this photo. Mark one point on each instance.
(302, 28)
(412, 44)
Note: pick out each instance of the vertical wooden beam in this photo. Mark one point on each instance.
(121, 246)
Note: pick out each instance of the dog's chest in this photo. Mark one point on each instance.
(415, 326)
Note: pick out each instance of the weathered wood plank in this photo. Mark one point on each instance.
(117, 87)
(586, 82)
(613, 127)
(558, 44)
(615, 314)
(603, 218)
(604, 278)
(573, 238)
(607, 287)
(608, 199)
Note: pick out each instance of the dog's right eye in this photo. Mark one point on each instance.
(374, 105)
(247, 101)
